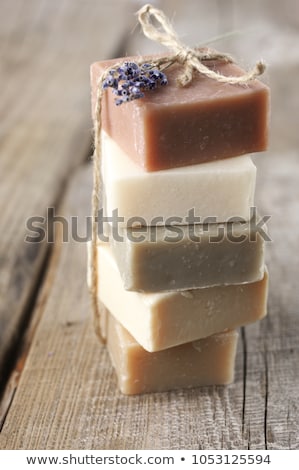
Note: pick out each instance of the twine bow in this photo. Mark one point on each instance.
(192, 60)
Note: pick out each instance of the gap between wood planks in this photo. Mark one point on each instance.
(247, 437)
(244, 345)
(16, 356)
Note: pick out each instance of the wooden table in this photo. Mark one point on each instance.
(58, 387)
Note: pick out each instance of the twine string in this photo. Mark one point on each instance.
(95, 206)
(192, 60)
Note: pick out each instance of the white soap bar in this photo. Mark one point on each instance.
(220, 189)
(161, 320)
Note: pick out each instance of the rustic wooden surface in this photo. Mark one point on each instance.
(46, 49)
(61, 391)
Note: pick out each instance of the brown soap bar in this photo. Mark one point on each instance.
(208, 361)
(173, 126)
(155, 259)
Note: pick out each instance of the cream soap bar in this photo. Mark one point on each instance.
(173, 127)
(221, 189)
(162, 320)
(155, 259)
(208, 361)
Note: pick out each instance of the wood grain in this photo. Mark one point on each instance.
(46, 48)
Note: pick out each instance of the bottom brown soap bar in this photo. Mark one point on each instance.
(208, 361)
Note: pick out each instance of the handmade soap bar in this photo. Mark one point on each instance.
(208, 361)
(221, 189)
(154, 259)
(162, 320)
(173, 126)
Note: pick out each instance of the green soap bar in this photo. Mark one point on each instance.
(155, 259)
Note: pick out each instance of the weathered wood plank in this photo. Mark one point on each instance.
(67, 397)
(46, 48)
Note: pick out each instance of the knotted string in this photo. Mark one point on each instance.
(192, 60)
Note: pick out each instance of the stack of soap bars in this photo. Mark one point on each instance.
(184, 265)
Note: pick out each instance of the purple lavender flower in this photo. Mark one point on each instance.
(130, 81)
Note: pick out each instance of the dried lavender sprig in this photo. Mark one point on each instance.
(130, 80)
